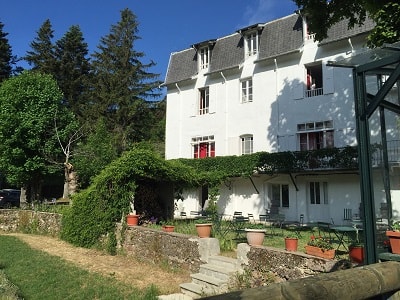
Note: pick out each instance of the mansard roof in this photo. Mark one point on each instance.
(278, 37)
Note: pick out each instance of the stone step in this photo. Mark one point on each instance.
(216, 285)
(194, 290)
(223, 273)
(175, 297)
(223, 261)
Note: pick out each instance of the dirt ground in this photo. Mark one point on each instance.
(125, 269)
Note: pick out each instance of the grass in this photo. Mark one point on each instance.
(37, 275)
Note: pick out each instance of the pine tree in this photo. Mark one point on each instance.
(42, 55)
(5, 55)
(121, 85)
(72, 68)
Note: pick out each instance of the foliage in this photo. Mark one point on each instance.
(321, 15)
(121, 85)
(72, 69)
(96, 210)
(5, 55)
(395, 225)
(41, 57)
(255, 226)
(29, 106)
(93, 154)
(320, 242)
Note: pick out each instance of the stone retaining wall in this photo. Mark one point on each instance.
(177, 249)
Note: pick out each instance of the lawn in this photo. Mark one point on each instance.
(32, 274)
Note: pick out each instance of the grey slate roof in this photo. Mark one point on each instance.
(278, 37)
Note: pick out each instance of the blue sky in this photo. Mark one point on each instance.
(165, 26)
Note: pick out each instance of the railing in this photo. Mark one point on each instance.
(313, 92)
(393, 153)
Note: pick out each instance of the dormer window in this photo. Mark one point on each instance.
(204, 51)
(251, 43)
(204, 57)
(251, 39)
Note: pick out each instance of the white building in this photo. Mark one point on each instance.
(269, 87)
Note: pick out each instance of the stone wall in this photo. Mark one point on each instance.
(174, 248)
(30, 221)
(177, 249)
(285, 265)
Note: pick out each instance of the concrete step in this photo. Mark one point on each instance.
(223, 273)
(174, 297)
(223, 261)
(194, 290)
(216, 285)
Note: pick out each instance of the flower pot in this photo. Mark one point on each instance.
(204, 230)
(132, 220)
(315, 251)
(168, 228)
(356, 254)
(255, 237)
(394, 239)
(291, 244)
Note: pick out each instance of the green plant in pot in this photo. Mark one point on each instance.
(168, 225)
(394, 236)
(356, 248)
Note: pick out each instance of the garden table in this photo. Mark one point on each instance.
(343, 232)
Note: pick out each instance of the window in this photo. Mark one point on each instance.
(204, 101)
(246, 144)
(204, 57)
(315, 135)
(203, 146)
(314, 82)
(318, 192)
(280, 195)
(251, 43)
(247, 90)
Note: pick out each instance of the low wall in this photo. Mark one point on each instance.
(177, 249)
(29, 221)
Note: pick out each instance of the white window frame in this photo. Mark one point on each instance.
(204, 101)
(318, 191)
(246, 90)
(251, 43)
(204, 54)
(246, 144)
(324, 127)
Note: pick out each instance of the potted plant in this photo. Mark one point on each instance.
(291, 242)
(321, 247)
(203, 228)
(394, 236)
(255, 234)
(356, 248)
(168, 226)
(132, 219)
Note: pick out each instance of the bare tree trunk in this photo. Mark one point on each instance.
(70, 180)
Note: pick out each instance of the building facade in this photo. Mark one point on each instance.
(269, 87)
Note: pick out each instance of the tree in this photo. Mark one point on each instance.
(5, 55)
(72, 68)
(121, 84)
(42, 56)
(321, 15)
(30, 146)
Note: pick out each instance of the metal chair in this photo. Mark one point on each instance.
(347, 215)
(183, 215)
(251, 218)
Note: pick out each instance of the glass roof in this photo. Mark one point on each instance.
(371, 59)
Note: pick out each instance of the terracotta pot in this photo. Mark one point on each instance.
(315, 251)
(356, 254)
(204, 230)
(394, 238)
(291, 244)
(132, 220)
(168, 228)
(255, 237)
